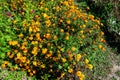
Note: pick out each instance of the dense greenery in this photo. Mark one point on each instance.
(51, 39)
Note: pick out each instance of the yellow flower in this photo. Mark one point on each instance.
(43, 66)
(8, 53)
(30, 29)
(70, 70)
(44, 50)
(81, 31)
(3, 66)
(34, 71)
(88, 8)
(83, 36)
(90, 66)
(100, 46)
(103, 49)
(14, 43)
(78, 73)
(64, 60)
(55, 37)
(11, 56)
(65, 3)
(14, 22)
(82, 76)
(68, 22)
(84, 25)
(101, 24)
(62, 75)
(35, 51)
(23, 59)
(67, 38)
(20, 35)
(86, 61)
(73, 48)
(34, 63)
(31, 74)
(78, 57)
(48, 36)
(91, 17)
(101, 33)
(61, 30)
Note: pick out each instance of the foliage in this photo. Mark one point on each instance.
(53, 39)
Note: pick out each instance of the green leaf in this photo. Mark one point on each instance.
(66, 65)
(60, 67)
(2, 55)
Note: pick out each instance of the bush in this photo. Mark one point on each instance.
(53, 39)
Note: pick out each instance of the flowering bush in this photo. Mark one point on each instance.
(55, 39)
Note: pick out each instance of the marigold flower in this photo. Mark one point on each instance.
(103, 49)
(86, 61)
(8, 53)
(73, 48)
(90, 66)
(78, 57)
(68, 22)
(83, 36)
(78, 73)
(45, 15)
(70, 70)
(43, 66)
(62, 75)
(34, 63)
(48, 36)
(23, 59)
(44, 50)
(55, 37)
(20, 35)
(11, 56)
(61, 30)
(3, 66)
(82, 76)
(101, 33)
(64, 60)
(19, 55)
(100, 46)
(31, 74)
(30, 29)
(88, 8)
(81, 31)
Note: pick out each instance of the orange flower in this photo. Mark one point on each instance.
(55, 37)
(23, 59)
(11, 56)
(44, 50)
(31, 74)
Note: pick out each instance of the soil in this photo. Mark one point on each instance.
(115, 62)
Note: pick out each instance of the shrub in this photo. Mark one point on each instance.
(54, 39)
